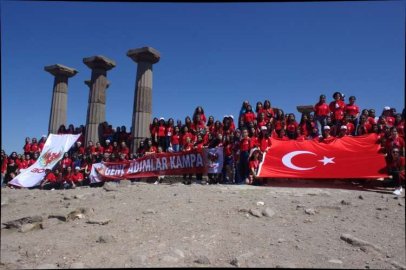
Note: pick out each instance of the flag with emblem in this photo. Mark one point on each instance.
(347, 157)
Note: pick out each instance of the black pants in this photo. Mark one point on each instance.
(51, 185)
(162, 143)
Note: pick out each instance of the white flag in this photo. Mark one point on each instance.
(53, 151)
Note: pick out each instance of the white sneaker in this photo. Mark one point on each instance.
(156, 183)
(398, 191)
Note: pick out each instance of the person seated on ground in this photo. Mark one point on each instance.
(150, 149)
(68, 179)
(396, 168)
(108, 149)
(49, 182)
(253, 166)
(160, 177)
(77, 177)
(395, 141)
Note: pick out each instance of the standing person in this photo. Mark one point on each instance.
(258, 108)
(337, 109)
(261, 121)
(153, 129)
(243, 110)
(343, 132)
(188, 123)
(62, 130)
(263, 143)
(269, 114)
(4, 163)
(71, 129)
(321, 111)
(186, 134)
(395, 141)
(253, 166)
(150, 148)
(199, 111)
(215, 178)
(400, 125)
(179, 124)
(34, 147)
(291, 126)
(27, 146)
(175, 140)
(86, 168)
(396, 168)
(169, 131)
(65, 163)
(210, 124)
(350, 126)
(188, 146)
(352, 110)
(244, 147)
(198, 145)
(372, 119)
(160, 177)
(162, 133)
(41, 143)
(232, 124)
(387, 113)
(305, 125)
(248, 116)
(228, 160)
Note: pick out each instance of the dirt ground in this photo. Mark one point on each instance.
(287, 224)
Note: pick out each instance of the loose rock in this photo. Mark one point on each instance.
(335, 261)
(18, 223)
(202, 260)
(309, 211)
(105, 239)
(255, 213)
(268, 212)
(99, 222)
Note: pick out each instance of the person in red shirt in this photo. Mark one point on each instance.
(305, 125)
(108, 149)
(99, 150)
(299, 134)
(263, 142)
(62, 130)
(218, 128)
(396, 168)
(343, 132)
(77, 177)
(71, 129)
(23, 164)
(395, 141)
(188, 146)
(244, 147)
(150, 148)
(34, 147)
(162, 133)
(29, 160)
(124, 150)
(253, 166)
(400, 125)
(363, 127)
(108, 133)
(337, 108)
(390, 120)
(140, 150)
(198, 145)
(210, 124)
(228, 160)
(169, 129)
(27, 146)
(261, 120)
(49, 182)
(4, 163)
(372, 119)
(41, 143)
(258, 108)
(153, 128)
(65, 163)
(321, 111)
(326, 135)
(248, 116)
(353, 111)
(282, 135)
(269, 114)
(350, 127)
(291, 126)
(186, 134)
(199, 111)
(232, 124)
(68, 179)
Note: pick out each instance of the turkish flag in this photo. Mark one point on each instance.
(347, 157)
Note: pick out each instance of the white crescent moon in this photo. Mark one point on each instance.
(287, 160)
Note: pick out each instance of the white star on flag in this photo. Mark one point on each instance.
(327, 160)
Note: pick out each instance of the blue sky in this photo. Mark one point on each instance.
(213, 55)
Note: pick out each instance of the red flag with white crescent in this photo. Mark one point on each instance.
(347, 157)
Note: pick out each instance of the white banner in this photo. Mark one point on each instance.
(53, 151)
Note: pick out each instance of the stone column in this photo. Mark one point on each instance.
(305, 109)
(96, 110)
(59, 96)
(142, 109)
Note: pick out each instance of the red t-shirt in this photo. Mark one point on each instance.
(266, 111)
(152, 149)
(301, 138)
(77, 177)
(244, 144)
(161, 131)
(321, 109)
(203, 118)
(30, 162)
(65, 163)
(390, 120)
(278, 125)
(352, 110)
(371, 120)
(248, 117)
(175, 138)
(27, 148)
(254, 164)
(187, 134)
(91, 149)
(401, 129)
(34, 147)
(228, 149)
(23, 164)
(291, 127)
(51, 177)
(153, 129)
(338, 111)
(263, 143)
(397, 165)
(198, 145)
(284, 138)
(108, 132)
(169, 131)
(125, 151)
(188, 147)
(351, 128)
(99, 150)
(108, 149)
(68, 177)
(398, 142)
(41, 146)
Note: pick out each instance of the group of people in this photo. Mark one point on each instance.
(244, 139)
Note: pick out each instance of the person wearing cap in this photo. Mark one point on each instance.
(49, 182)
(353, 111)
(253, 165)
(232, 124)
(77, 177)
(108, 149)
(342, 97)
(68, 179)
(337, 108)
(387, 113)
(343, 132)
(326, 137)
(263, 143)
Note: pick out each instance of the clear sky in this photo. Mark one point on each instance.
(213, 55)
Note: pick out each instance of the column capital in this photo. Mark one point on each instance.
(306, 109)
(61, 70)
(88, 83)
(147, 54)
(99, 61)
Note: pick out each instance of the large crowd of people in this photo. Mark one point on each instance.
(244, 140)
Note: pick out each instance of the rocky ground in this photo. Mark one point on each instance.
(287, 224)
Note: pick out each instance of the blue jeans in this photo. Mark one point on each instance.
(243, 167)
(321, 122)
(3, 178)
(175, 147)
